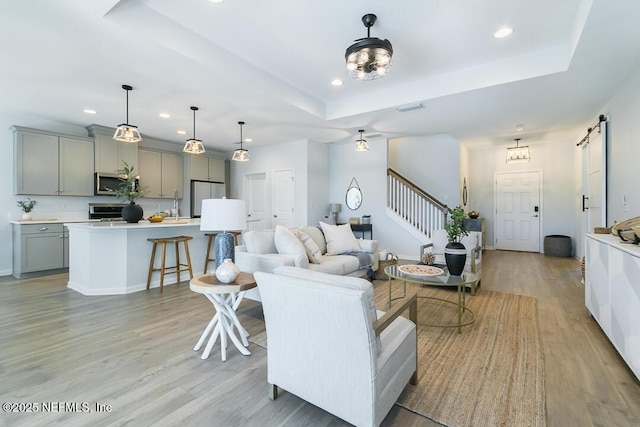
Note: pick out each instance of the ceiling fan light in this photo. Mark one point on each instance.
(369, 58)
(361, 144)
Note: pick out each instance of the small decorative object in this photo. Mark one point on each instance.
(366, 219)
(354, 220)
(428, 258)
(474, 214)
(27, 206)
(156, 218)
(455, 253)
(227, 271)
(130, 192)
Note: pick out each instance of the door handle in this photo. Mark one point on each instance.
(584, 206)
(535, 216)
(275, 216)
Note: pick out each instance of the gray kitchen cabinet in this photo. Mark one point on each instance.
(52, 164)
(207, 168)
(161, 173)
(39, 247)
(109, 153)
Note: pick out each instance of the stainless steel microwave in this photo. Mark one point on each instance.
(107, 183)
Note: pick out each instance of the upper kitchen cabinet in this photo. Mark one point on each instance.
(161, 173)
(109, 153)
(51, 164)
(207, 168)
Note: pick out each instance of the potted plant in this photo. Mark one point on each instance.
(130, 191)
(27, 206)
(455, 253)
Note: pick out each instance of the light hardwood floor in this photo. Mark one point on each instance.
(134, 353)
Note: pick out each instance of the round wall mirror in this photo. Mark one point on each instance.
(353, 198)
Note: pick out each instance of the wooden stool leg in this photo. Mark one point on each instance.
(206, 258)
(164, 257)
(153, 257)
(177, 262)
(186, 251)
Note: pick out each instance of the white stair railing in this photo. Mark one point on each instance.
(417, 207)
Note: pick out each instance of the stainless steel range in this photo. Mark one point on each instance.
(106, 211)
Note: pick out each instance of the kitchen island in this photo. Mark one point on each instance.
(111, 258)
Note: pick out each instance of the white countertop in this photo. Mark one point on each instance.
(121, 225)
(615, 241)
(51, 221)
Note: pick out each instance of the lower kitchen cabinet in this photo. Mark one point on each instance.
(39, 247)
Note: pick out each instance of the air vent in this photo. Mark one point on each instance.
(409, 107)
(373, 135)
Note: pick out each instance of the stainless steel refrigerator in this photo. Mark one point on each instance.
(201, 190)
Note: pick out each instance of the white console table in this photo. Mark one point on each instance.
(612, 293)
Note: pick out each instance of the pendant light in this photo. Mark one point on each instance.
(361, 144)
(240, 154)
(193, 145)
(126, 132)
(518, 154)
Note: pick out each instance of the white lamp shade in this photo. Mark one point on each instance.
(223, 215)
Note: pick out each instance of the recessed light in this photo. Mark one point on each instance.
(503, 32)
(89, 111)
(519, 128)
(165, 115)
(182, 132)
(216, 1)
(248, 140)
(336, 82)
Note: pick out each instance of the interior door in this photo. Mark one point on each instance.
(284, 196)
(518, 211)
(255, 194)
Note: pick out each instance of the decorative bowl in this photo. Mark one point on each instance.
(155, 218)
(473, 214)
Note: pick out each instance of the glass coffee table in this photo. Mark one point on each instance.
(429, 277)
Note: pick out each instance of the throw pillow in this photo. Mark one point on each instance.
(316, 234)
(340, 239)
(310, 246)
(287, 243)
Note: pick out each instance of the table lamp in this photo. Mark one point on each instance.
(335, 209)
(223, 215)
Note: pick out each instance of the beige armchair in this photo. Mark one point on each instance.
(471, 243)
(327, 344)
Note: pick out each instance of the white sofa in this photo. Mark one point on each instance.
(471, 242)
(260, 253)
(327, 344)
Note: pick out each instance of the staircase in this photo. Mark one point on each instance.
(422, 212)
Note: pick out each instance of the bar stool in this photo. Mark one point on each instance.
(212, 236)
(164, 270)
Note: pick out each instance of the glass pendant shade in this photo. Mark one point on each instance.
(126, 132)
(369, 58)
(240, 154)
(361, 144)
(518, 154)
(193, 145)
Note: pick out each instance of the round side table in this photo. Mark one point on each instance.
(226, 298)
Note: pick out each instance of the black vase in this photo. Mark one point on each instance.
(455, 255)
(132, 212)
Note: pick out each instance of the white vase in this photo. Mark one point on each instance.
(227, 271)
(26, 216)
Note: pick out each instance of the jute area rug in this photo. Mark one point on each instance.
(492, 374)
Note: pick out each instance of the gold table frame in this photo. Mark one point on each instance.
(443, 280)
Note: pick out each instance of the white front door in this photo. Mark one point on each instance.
(518, 211)
(255, 194)
(284, 197)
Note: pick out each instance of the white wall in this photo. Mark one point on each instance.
(431, 162)
(311, 197)
(556, 160)
(623, 152)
